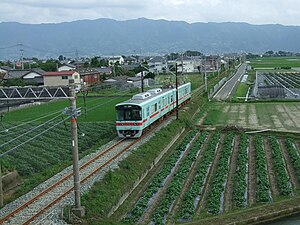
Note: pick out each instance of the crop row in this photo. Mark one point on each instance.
(280, 168)
(158, 180)
(262, 182)
(46, 150)
(294, 156)
(219, 181)
(192, 196)
(177, 182)
(240, 191)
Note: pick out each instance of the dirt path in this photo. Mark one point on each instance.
(187, 183)
(146, 218)
(210, 176)
(288, 163)
(251, 172)
(228, 195)
(271, 171)
(201, 120)
(297, 143)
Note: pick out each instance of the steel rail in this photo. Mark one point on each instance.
(81, 182)
(26, 204)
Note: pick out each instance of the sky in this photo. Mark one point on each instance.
(284, 12)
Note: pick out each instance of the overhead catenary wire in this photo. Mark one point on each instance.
(34, 137)
(35, 128)
(29, 121)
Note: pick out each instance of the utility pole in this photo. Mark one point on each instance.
(142, 80)
(22, 64)
(78, 210)
(205, 75)
(176, 91)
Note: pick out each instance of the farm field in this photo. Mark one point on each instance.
(277, 116)
(210, 174)
(275, 62)
(98, 109)
(40, 141)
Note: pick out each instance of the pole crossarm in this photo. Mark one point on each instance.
(34, 93)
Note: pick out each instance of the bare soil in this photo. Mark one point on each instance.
(289, 167)
(251, 173)
(228, 196)
(272, 174)
(210, 176)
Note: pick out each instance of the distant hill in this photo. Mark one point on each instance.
(108, 37)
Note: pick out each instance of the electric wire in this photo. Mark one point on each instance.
(34, 137)
(29, 121)
(16, 138)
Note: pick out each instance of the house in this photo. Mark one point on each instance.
(5, 69)
(90, 76)
(136, 82)
(158, 64)
(66, 67)
(130, 60)
(130, 66)
(33, 76)
(61, 78)
(104, 70)
(185, 64)
(116, 59)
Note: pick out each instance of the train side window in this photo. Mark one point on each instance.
(148, 111)
(154, 108)
(172, 99)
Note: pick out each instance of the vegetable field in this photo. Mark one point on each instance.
(212, 173)
(53, 147)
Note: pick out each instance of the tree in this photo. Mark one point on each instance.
(95, 62)
(14, 82)
(61, 58)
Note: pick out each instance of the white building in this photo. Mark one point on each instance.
(67, 67)
(158, 64)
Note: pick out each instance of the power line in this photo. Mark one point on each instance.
(30, 139)
(29, 121)
(28, 132)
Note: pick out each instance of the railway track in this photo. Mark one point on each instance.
(31, 209)
(27, 211)
(35, 206)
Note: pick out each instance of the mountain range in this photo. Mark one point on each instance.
(142, 36)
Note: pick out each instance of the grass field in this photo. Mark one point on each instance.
(272, 115)
(242, 90)
(98, 109)
(272, 62)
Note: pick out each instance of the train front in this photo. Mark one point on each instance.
(129, 121)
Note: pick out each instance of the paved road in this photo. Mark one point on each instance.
(227, 89)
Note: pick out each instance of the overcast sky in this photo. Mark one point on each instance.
(285, 12)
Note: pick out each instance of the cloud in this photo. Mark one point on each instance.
(254, 11)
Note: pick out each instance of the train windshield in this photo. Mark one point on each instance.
(129, 112)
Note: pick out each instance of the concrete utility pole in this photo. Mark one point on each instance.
(78, 210)
(142, 81)
(205, 75)
(176, 91)
(22, 63)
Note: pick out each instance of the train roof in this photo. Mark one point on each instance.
(145, 97)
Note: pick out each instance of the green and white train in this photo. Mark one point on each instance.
(137, 113)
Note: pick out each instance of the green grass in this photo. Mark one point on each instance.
(242, 90)
(272, 62)
(282, 116)
(98, 109)
(115, 183)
